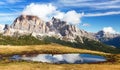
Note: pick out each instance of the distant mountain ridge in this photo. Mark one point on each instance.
(108, 38)
(28, 24)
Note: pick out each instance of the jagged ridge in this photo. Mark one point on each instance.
(28, 24)
(32, 24)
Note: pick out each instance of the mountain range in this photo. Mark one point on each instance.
(28, 24)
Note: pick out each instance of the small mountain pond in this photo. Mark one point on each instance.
(61, 58)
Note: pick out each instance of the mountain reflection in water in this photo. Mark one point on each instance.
(61, 58)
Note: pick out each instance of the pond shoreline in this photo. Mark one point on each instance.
(112, 59)
(6, 51)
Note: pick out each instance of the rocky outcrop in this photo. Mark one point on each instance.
(70, 32)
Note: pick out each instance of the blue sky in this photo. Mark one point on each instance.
(94, 15)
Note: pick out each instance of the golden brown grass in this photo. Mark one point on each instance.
(53, 49)
(45, 66)
(50, 49)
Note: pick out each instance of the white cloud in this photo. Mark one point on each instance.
(59, 15)
(102, 14)
(113, 5)
(71, 58)
(1, 27)
(109, 30)
(107, 7)
(86, 24)
(92, 4)
(72, 17)
(58, 57)
(44, 11)
(47, 11)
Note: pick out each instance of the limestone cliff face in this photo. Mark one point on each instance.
(29, 23)
(26, 24)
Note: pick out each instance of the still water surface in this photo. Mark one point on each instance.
(61, 58)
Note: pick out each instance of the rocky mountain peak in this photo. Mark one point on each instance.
(28, 17)
(28, 24)
(25, 24)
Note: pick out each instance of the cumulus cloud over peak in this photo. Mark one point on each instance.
(109, 30)
(1, 27)
(41, 10)
(72, 17)
(47, 11)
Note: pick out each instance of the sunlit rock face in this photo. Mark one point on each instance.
(28, 24)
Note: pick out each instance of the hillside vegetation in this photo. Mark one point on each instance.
(43, 49)
(30, 45)
(30, 40)
(88, 44)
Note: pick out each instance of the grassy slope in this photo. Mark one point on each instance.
(54, 49)
(50, 48)
(45, 66)
(30, 40)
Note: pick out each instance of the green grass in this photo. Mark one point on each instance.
(21, 40)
